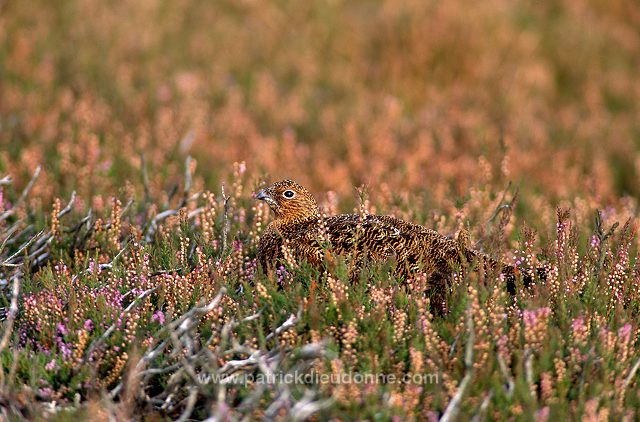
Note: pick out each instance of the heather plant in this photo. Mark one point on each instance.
(133, 311)
(133, 135)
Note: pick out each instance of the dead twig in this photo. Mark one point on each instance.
(225, 221)
(107, 266)
(528, 372)
(187, 181)
(509, 379)
(480, 416)
(631, 375)
(180, 325)
(306, 407)
(603, 236)
(66, 210)
(153, 226)
(453, 408)
(290, 322)
(11, 315)
(23, 196)
(191, 402)
(9, 261)
(94, 345)
(501, 207)
(145, 178)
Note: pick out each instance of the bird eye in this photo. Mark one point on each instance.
(288, 194)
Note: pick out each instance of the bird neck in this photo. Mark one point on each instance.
(306, 219)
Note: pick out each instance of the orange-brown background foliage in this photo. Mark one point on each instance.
(420, 96)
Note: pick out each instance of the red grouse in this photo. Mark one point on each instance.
(300, 228)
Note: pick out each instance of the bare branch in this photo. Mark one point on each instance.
(11, 316)
(481, 415)
(23, 196)
(187, 181)
(505, 372)
(225, 221)
(191, 402)
(9, 261)
(112, 328)
(153, 226)
(145, 178)
(306, 407)
(290, 322)
(453, 408)
(66, 210)
(528, 372)
(632, 373)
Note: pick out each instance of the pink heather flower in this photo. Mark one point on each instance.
(46, 392)
(578, 324)
(543, 414)
(88, 325)
(62, 329)
(595, 241)
(66, 350)
(529, 318)
(432, 416)
(105, 165)
(158, 316)
(282, 274)
(624, 333)
(51, 365)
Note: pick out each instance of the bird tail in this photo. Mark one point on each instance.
(509, 272)
(528, 276)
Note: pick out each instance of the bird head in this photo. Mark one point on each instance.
(289, 201)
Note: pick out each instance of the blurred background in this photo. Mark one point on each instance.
(414, 97)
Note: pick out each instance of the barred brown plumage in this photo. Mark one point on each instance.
(309, 236)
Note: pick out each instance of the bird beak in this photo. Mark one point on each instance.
(262, 195)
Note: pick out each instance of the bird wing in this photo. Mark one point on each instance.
(378, 236)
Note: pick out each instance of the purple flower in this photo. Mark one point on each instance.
(578, 324)
(282, 274)
(62, 329)
(51, 365)
(543, 414)
(624, 333)
(88, 325)
(158, 316)
(66, 350)
(46, 392)
(531, 317)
